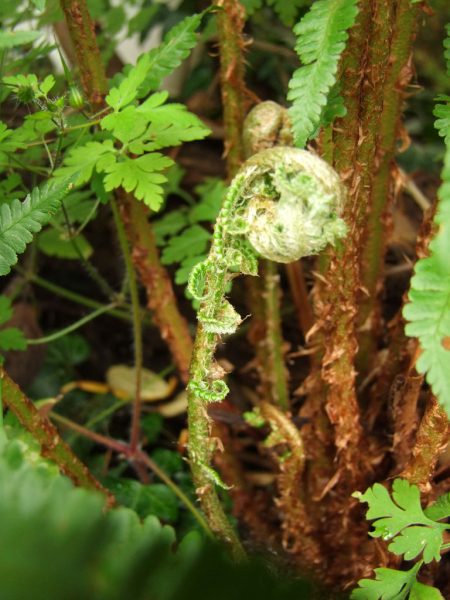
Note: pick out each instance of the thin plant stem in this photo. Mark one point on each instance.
(138, 456)
(100, 417)
(278, 377)
(73, 327)
(72, 296)
(87, 219)
(137, 327)
(88, 266)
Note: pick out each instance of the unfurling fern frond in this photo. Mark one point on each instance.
(428, 311)
(322, 35)
(20, 220)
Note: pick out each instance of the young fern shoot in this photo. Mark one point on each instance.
(283, 204)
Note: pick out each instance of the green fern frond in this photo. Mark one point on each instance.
(322, 35)
(176, 46)
(20, 220)
(287, 11)
(153, 66)
(428, 311)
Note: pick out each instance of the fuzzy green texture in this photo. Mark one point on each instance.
(284, 203)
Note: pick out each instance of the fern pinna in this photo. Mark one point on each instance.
(428, 310)
(20, 220)
(321, 39)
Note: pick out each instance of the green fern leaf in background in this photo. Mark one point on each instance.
(251, 5)
(170, 124)
(395, 585)
(287, 11)
(11, 39)
(152, 67)
(428, 310)
(169, 55)
(20, 220)
(11, 338)
(322, 35)
(85, 159)
(141, 176)
(70, 548)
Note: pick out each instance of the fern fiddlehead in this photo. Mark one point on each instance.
(283, 204)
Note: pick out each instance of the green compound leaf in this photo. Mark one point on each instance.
(152, 499)
(84, 159)
(152, 126)
(391, 584)
(11, 338)
(287, 11)
(11, 39)
(428, 310)
(168, 225)
(170, 125)
(126, 92)
(322, 36)
(5, 309)
(212, 193)
(53, 243)
(404, 518)
(251, 5)
(192, 242)
(142, 176)
(30, 82)
(20, 220)
(125, 125)
(440, 509)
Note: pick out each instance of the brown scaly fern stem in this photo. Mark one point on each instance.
(82, 32)
(53, 446)
(355, 150)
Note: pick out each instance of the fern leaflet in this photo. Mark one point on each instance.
(428, 311)
(142, 176)
(152, 67)
(322, 35)
(19, 220)
(287, 11)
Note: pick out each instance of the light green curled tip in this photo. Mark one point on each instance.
(294, 201)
